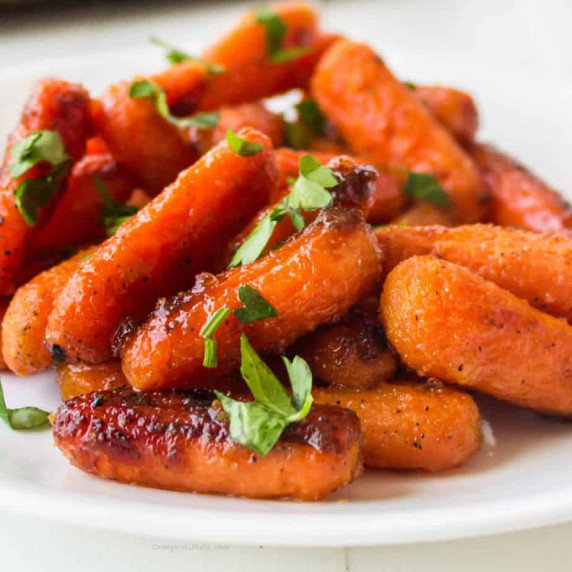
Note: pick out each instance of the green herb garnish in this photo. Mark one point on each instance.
(208, 331)
(144, 89)
(410, 86)
(258, 424)
(310, 123)
(176, 56)
(113, 214)
(425, 187)
(256, 307)
(23, 417)
(241, 146)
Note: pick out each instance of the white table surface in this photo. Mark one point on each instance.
(532, 35)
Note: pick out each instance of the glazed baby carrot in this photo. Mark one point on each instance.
(312, 279)
(423, 214)
(518, 197)
(58, 113)
(24, 325)
(448, 323)
(382, 121)
(4, 302)
(160, 249)
(412, 425)
(455, 109)
(179, 441)
(535, 267)
(351, 353)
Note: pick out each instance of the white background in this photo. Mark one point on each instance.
(532, 36)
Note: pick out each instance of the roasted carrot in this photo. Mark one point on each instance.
(535, 267)
(412, 425)
(24, 325)
(54, 106)
(448, 323)
(382, 121)
(455, 110)
(81, 378)
(76, 218)
(312, 279)
(178, 441)
(160, 249)
(4, 302)
(351, 353)
(518, 197)
(423, 214)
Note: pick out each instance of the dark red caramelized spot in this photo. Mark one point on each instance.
(356, 183)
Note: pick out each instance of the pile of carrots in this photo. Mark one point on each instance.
(181, 254)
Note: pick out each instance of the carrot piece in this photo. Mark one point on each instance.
(310, 280)
(423, 214)
(382, 121)
(531, 266)
(75, 379)
(518, 197)
(76, 217)
(160, 249)
(448, 323)
(455, 110)
(56, 106)
(412, 425)
(4, 302)
(178, 441)
(24, 325)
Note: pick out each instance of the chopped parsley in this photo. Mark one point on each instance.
(256, 307)
(23, 417)
(113, 214)
(209, 329)
(310, 123)
(241, 146)
(425, 187)
(176, 56)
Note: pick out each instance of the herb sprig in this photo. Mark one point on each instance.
(241, 146)
(22, 417)
(310, 123)
(210, 359)
(256, 307)
(113, 214)
(425, 187)
(175, 56)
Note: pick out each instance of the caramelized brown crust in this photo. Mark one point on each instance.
(412, 425)
(532, 266)
(448, 323)
(53, 105)
(312, 279)
(181, 441)
(160, 250)
(352, 353)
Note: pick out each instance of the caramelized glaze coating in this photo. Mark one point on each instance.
(351, 353)
(448, 323)
(423, 214)
(76, 379)
(518, 197)
(25, 322)
(412, 425)
(4, 302)
(312, 279)
(56, 106)
(181, 441)
(532, 266)
(160, 249)
(382, 121)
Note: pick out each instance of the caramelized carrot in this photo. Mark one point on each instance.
(81, 378)
(160, 249)
(312, 279)
(24, 325)
(454, 109)
(518, 197)
(531, 266)
(182, 442)
(412, 425)
(448, 323)
(4, 302)
(57, 106)
(382, 121)
(423, 214)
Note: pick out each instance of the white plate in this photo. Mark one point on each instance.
(521, 483)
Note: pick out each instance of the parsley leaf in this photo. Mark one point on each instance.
(209, 329)
(176, 56)
(275, 30)
(144, 89)
(258, 424)
(241, 146)
(310, 123)
(256, 307)
(37, 147)
(425, 187)
(410, 86)
(113, 214)
(23, 417)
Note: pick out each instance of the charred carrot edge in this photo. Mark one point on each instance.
(518, 197)
(381, 120)
(448, 323)
(4, 302)
(189, 223)
(24, 325)
(53, 105)
(312, 279)
(455, 109)
(412, 425)
(531, 266)
(182, 442)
